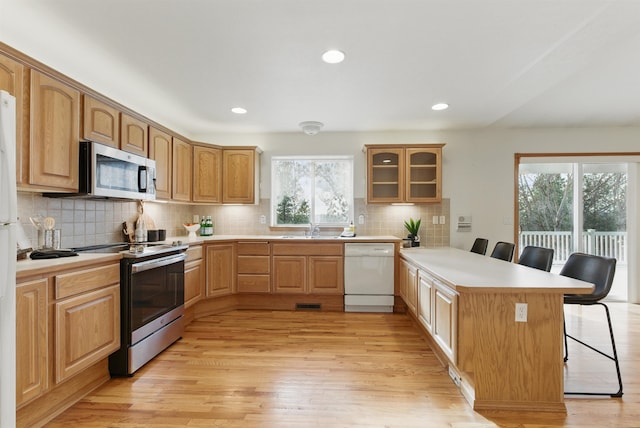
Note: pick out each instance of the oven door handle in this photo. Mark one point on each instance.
(156, 263)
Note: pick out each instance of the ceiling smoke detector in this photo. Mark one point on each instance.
(311, 127)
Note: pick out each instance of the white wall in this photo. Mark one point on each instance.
(478, 165)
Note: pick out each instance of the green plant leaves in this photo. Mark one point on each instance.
(413, 226)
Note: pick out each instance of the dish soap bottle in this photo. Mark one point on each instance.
(352, 228)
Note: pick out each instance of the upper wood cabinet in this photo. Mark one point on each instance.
(101, 123)
(12, 75)
(160, 151)
(55, 134)
(133, 135)
(182, 170)
(207, 174)
(239, 173)
(409, 173)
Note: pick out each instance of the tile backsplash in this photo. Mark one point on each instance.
(88, 222)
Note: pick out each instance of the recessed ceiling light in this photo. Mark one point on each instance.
(239, 110)
(440, 106)
(333, 56)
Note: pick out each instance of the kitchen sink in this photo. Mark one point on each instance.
(308, 237)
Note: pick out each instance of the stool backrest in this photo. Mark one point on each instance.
(597, 270)
(480, 246)
(537, 257)
(503, 251)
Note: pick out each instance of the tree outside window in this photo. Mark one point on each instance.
(316, 190)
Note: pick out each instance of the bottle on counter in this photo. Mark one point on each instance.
(210, 220)
(203, 226)
(352, 227)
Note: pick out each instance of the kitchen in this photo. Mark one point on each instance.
(477, 166)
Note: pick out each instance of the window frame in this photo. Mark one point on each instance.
(310, 158)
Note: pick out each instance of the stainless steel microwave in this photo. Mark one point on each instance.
(106, 172)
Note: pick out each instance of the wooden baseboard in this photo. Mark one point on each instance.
(59, 398)
(263, 301)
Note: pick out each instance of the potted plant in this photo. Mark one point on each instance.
(413, 227)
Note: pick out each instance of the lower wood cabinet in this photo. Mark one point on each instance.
(316, 268)
(87, 330)
(254, 267)
(326, 274)
(290, 274)
(434, 304)
(445, 319)
(409, 285)
(425, 300)
(221, 269)
(193, 276)
(66, 322)
(32, 355)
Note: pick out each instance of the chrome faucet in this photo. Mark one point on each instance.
(313, 230)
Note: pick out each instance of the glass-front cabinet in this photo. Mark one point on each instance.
(404, 173)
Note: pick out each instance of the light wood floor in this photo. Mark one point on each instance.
(318, 369)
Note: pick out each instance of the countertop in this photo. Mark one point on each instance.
(284, 237)
(470, 272)
(30, 267)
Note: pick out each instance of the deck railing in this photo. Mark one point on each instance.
(609, 244)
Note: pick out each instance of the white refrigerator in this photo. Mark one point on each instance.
(8, 220)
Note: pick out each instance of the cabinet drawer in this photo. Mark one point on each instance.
(86, 280)
(311, 249)
(194, 253)
(253, 248)
(253, 283)
(253, 264)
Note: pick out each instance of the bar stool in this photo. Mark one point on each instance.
(480, 246)
(503, 251)
(599, 271)
(537, 257)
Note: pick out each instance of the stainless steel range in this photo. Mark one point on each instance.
(151, 301)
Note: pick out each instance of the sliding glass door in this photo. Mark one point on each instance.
(576, 206)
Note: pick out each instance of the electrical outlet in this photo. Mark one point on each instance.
(263, 219)
(521, 312)
(435, 219)
(361, 219)
(443, 220)
(196, 218)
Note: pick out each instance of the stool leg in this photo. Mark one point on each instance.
(566, 347)
(615, 352)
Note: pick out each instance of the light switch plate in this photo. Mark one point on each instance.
(435, 219)
(443, 219)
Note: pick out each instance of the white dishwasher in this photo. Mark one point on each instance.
(368, 277)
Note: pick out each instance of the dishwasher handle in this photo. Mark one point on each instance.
(364, 250)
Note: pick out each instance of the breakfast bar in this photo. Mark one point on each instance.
(466, 303)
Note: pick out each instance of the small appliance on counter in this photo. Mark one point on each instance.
(349, 232)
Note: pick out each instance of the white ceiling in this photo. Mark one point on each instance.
(498, 63)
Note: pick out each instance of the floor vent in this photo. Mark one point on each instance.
(307, 306)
